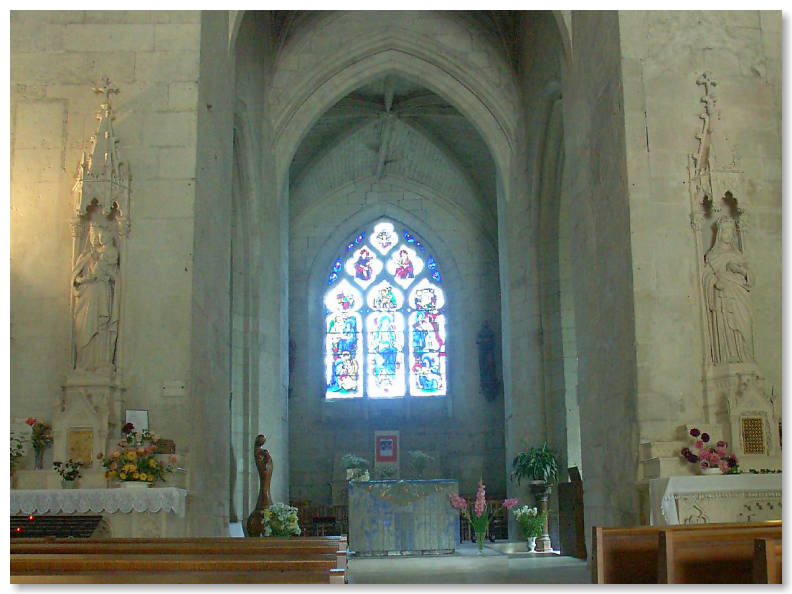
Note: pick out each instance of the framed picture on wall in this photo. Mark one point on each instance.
(386, 447)
(138, 418)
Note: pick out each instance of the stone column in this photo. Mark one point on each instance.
(541, 493)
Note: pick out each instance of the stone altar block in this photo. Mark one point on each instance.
(405, 517)
(710, 499)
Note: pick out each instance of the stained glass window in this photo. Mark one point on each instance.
(385, 320)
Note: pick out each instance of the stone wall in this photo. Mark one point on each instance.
(663, 54)
(463, 431)
(596, 185)
(56, 59)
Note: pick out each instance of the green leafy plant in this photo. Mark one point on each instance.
(538, 464)
(17, 449)
(386, 472)
(419, 461)
(350, 461)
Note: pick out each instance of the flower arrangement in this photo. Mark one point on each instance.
(134, 459)
(356, 467)
(280, 519)
(707, 456)
(537, 464)
(40, 436)
(531, 521)
(479, 518)
(68, 471)
(17, 449)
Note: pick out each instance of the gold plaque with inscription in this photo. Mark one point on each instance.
(80, 445)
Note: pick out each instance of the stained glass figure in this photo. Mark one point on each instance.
(342, 355)
(384, 237)
(404, 265)
(343, 297)
(381, 342)
(384, 297)
(426, 296)
(363, 266)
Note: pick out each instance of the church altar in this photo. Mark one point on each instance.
(133, 513)
(709, 499)
(402, 517)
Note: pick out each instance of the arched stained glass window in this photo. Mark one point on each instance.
(385, 318)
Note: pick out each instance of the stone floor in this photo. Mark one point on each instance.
(465, 566)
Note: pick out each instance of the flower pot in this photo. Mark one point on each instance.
(68, 484)
(135, 484)
(710, 470)
(531, 543)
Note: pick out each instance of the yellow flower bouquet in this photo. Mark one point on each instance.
(134, 459)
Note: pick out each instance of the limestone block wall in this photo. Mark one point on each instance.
(56, 59)
(465, 432)
(663, 53)
(595, 183)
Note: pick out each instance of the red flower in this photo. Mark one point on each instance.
(695, 432)
(128, 428)
(705, 437)
(30, 420)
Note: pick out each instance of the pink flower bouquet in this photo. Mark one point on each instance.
(479, 518)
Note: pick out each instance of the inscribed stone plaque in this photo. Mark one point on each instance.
(80, 445)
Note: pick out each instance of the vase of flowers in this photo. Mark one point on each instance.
(69, 472)
(531, 522)
(419, 461)
(134, 460)
(40, 438)
(280, 519)
(478, 517)
(710, 459)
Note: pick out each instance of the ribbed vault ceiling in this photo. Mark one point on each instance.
(394, 127)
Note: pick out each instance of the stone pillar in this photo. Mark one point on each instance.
(541, 493)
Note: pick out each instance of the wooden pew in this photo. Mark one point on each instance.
(711, 555)
(767, 561)
(629, 554)
(196, 560)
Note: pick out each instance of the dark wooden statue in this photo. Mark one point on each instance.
(264, 466)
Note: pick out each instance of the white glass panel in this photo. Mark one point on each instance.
(385, 297)
(363, 266)
(404, 264)
(426, 296)
(343, 297)
(384, 237)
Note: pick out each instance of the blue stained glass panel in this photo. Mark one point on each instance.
(436, 276)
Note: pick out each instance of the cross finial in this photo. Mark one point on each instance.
(707, 81)
(106, 90)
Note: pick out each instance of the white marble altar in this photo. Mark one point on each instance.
(715, 498)
(134, 513)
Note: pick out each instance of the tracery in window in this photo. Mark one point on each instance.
(385, 321)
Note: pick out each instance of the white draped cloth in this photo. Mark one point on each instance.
(81, 501)
(720, 498)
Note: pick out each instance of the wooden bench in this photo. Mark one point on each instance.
(710, 555)
(630, 555)
(196, 560)
(767, 561)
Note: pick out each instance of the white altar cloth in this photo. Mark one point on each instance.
(109, 501)
(714, 498)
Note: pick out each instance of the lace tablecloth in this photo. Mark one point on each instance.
(70, 501)
(715, 498)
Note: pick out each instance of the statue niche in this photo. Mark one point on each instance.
(727, 289)
(96, 302)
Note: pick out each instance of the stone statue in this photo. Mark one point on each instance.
(486, 352)
(264, 466)
(727, 289)
(94, 282)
